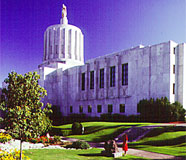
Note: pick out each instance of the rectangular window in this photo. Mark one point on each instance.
(69, 43)
(110, 108)
(125, 74)
(101, 82)
(89, 109)
(83, 81)
(173, 69)
(99, 108)
(174, 50)
(112, 76)
(122, 108)
(80, 109)
(92, 80)
(56, 49)
(71, 109)
(173, 88)
(50, 49)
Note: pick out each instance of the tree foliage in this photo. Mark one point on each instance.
(160, 110)
(24, 116)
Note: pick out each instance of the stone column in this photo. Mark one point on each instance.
(87, 80)
(118, 75)
(107, 76)
(96, 78)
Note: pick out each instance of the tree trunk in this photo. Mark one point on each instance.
(21, 149)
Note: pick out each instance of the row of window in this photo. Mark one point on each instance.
(101, 77)
(99, 108)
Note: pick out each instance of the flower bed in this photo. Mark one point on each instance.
(46, 140)
(4, 137)
(12, 155)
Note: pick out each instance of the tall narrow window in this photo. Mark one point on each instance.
(174, 50)
(173, 69)
(80, 109)
(99, 108)
(122, 108)
(173, 88)
(110, 108)
(89, 109)
(125, 74)
(112, 76)
(83, 81)
(71, 109)
(69, 43)
(63, 43)
(92, 80)
(56, 49)
(101, 82)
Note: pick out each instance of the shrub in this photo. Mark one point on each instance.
(33, 140)
(160, 110)
(77, 128)
(57, 138)
(12, 155)
(113, 117)
(133, 118)
(5, 137)
(51, 140)
(79, 145)
(77, 117)
(60, 132)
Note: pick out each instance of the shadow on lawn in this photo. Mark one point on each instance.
(169, 142)
(157, 131)
(91, 155)
(110, 136)
(93, 129)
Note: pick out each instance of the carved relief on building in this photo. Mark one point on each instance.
(91, 94)
(124, 91)
(101, 94)
(110, 93)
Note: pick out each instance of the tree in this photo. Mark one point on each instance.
(24, 116)
(160, 110)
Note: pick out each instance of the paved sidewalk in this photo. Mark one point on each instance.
(150, 155)
(140, 153)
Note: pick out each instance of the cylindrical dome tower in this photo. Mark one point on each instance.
(63, 44)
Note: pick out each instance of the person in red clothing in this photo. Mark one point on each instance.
(125, 145)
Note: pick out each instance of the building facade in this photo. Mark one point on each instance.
(113, 83)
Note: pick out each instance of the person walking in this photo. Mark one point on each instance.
(125, 145)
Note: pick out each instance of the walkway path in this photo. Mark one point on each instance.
(150, 155)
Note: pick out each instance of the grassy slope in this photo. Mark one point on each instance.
(59, 154)
(166, 140)
(101, 131)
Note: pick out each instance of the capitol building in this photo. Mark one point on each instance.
(112, 83)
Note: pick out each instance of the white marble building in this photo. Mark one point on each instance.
(113, 83)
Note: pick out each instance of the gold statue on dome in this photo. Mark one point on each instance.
(64, 11)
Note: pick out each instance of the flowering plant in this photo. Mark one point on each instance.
(42, 139)
(15, 155)
(5, 137)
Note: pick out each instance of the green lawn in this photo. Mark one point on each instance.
(169, 140)
(60, 154)
(101, 131)
(166, 140)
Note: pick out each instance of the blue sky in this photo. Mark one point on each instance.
(108, 26)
